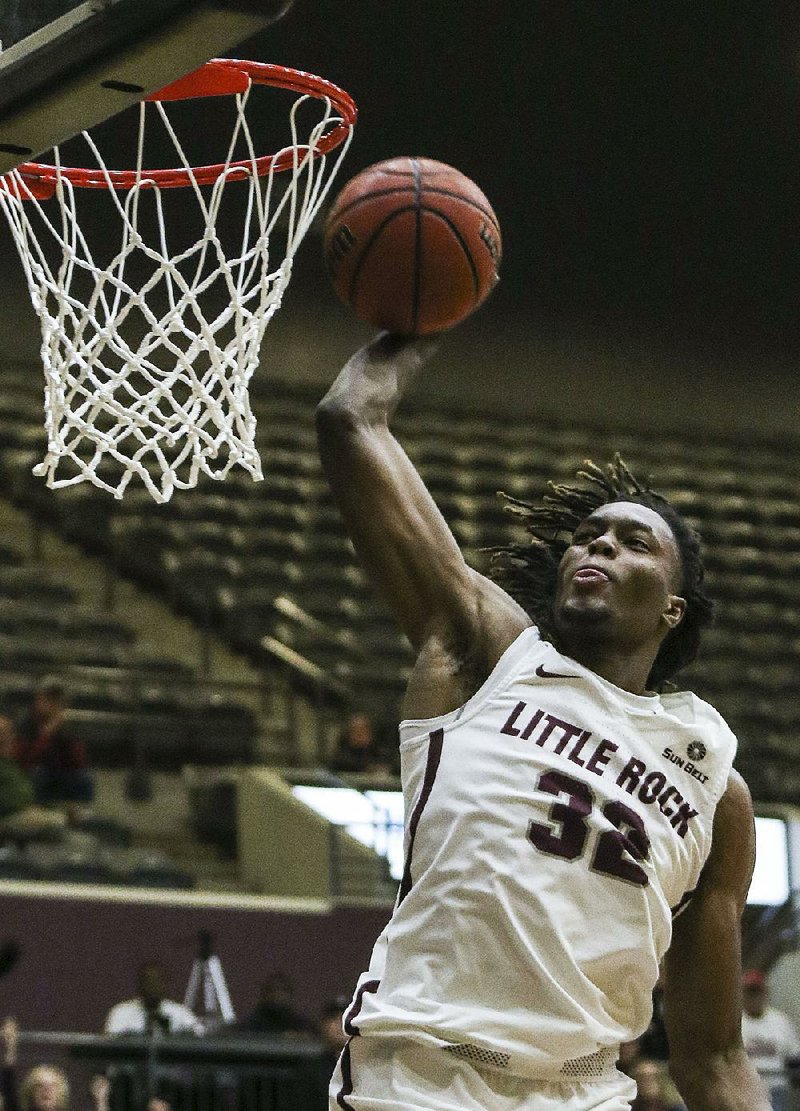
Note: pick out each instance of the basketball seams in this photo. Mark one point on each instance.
(367, 198)
(418, 210)
(370, 243)
(465, 247)
(430, 270)
(417, 247)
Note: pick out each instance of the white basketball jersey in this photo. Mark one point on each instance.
(554, 825)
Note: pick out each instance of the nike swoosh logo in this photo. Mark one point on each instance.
(543, 674)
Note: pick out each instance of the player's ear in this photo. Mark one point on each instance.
(673, 614)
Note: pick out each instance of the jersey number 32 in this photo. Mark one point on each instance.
(617, 850)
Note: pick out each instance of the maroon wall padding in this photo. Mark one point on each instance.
(79, 957)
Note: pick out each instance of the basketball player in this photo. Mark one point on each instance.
(567, 825)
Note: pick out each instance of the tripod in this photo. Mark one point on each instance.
(208, 979)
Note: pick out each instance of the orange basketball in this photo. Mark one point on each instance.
(412, 245)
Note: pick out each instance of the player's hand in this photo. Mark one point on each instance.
(393, 346)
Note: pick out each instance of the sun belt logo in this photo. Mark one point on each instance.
(696, 750)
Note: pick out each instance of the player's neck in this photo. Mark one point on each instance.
(623, 668)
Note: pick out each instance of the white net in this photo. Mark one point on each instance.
(148, 352)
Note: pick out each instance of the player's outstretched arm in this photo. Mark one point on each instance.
(703, 972)
(401, 538)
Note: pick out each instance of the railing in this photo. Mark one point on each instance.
(212, 1073)
(356, 875)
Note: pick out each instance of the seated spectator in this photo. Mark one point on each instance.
(629, 1055)
(331, 1028)
(357, 749)
(49, 750)
(274, 1014)
(100, 1095)
(16, 788)
(44, 1088)
(769, 1037)
(654, 1089)
(18, 813)
(150, 1011)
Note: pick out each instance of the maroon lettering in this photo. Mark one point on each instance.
(569, 840)
(681, 818)
(600, 757)
(695, 773)
(619, 849)
(548, 729)
(575, 751)
(631, 774)
(569, 731)
(508, 728)
(665, 797)
(652, 786)
(529, 728)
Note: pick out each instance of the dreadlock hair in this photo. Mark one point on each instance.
(528, 571)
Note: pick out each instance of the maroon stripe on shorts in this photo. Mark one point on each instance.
(431, 768)
(347, 1080)
(346, 1061)
(352, 1013)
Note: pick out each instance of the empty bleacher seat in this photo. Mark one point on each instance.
(222, 731)
(34, 586)
(148, 868)
(224, 554)
(15, 864)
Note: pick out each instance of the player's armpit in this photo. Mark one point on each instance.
(702, 991)
(401, 538)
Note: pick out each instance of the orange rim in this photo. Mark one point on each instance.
(219, 77)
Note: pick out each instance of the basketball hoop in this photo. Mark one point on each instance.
(147, 375)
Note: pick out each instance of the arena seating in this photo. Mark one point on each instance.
(119, 700)
(268, 567)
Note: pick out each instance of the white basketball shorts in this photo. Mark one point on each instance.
(386, 1074)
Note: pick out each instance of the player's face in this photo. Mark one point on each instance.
(620, 578)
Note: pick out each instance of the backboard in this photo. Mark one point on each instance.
(68, 66)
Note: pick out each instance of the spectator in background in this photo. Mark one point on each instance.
(49, 750)
(654, 1089)
(769, 1037)
(100, 1095)
(331, 1029)
(44, 1088)
(274, 1014)
(357, 749)
(629, 1055)
(16, 788)
(150, 1011)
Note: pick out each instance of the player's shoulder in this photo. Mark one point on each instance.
(690, 707)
